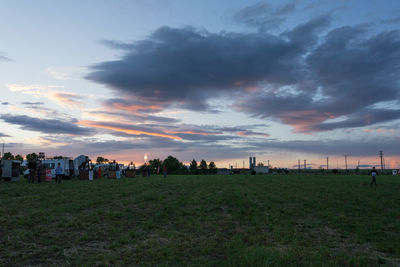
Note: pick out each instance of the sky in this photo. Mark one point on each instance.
(213, 80)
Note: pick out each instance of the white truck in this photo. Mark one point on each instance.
(67, 164)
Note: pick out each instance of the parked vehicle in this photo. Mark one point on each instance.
(66, 163)
(10, 169)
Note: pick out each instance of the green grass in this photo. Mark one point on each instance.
(272, 220)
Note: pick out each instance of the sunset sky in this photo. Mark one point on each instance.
(215, 80)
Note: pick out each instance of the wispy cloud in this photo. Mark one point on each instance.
(3, 57)
(264, 16)
(46, 126)
(63, 98)
(4, 135)
(128, 129)
(66, 72)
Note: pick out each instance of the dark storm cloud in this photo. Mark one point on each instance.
(347, 74)
(302, 77)
(5, 103)
(186, 67)
(4, 135)
(360, 119)
(46, 126)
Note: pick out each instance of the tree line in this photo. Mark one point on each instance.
(29, 157)
(173, 165)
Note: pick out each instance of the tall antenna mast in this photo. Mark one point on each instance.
(327, 163)
(381, 156)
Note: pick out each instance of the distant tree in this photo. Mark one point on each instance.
(32, 157)
(260, 164)
(155, 164)
(212, 168)
(193, 167)
(203, 166)
(100, 160)
(19, 157)
(173, 165)
(8, 156)
(58, 157)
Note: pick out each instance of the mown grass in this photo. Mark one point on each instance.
(262, 220)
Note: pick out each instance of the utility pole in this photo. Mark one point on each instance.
(2, 154)
(381, 156)
(305, 164)
(299, 165)
(345, 161)
(268, 163)
(327, 163)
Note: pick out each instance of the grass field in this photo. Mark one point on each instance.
(273, 220)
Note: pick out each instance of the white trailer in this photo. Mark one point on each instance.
(10, 169)
(261, 169)
(67, 164)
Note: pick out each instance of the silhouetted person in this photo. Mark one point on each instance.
(39, 171)
(373, 173)
(59, 173)
(117, 171)
(1, 170)
(165, 171)
(32, 170)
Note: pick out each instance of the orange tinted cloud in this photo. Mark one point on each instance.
(188, 132)
(249, 133)
(304, 120)
(125, 130)
(120, 106)
(380, 130)
(62, 98)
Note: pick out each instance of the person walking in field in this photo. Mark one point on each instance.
(373, 173)
(165, 171)
(59, 173)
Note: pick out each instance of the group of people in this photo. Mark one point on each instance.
(38, 169)
(146, 171)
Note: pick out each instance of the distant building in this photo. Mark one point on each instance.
(261, 169)
(252, 162)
